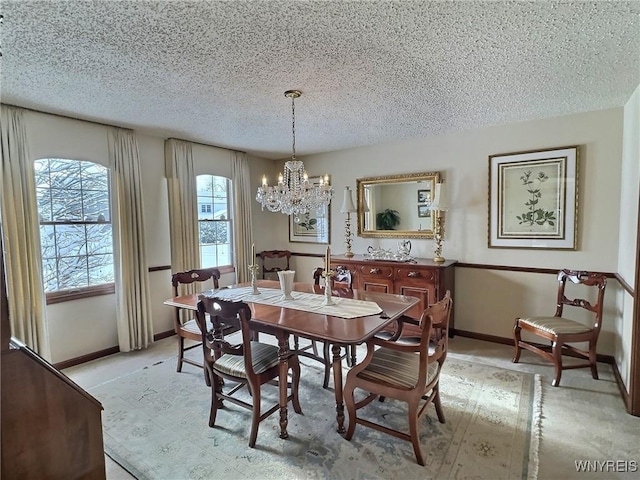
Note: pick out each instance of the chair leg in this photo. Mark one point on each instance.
(314, 347)
(351, 355)
(593, 360)
(215, 402)
(351, 410)
(413, 432)
(207, 377)
(557, 362)
(438, 404)
(255, 418)
(295, 382)
(516, 337)
(327, 364)
(180, 353)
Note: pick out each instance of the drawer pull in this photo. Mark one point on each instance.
(374, 270)
(413, 274)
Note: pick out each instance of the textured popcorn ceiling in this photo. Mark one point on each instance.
(370, 72)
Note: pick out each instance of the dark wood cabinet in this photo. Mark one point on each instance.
(424, 279)
(51, 428)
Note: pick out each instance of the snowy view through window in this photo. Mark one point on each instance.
(75, 223)
(214, 221)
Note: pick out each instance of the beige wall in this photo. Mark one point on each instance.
(486, 301)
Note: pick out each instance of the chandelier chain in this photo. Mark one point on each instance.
(293, 126)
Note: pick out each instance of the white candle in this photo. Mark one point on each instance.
(328, 260)
(253, 253)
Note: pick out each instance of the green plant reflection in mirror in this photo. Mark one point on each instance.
(388, 219)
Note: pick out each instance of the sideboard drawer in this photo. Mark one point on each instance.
(375, 271)
(418, 274)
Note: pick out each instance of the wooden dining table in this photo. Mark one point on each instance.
(337, 331)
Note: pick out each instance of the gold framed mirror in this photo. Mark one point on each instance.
(396, 206)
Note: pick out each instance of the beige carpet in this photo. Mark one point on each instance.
(155, 425)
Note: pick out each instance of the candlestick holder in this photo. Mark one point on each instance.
(328, 284)
(253, 268)
(438, 237)
(348, 208)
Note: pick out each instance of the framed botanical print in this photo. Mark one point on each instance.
(312, 227)
(533, 199)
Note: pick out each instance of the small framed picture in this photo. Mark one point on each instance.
(311, 227)
(424, 196)
(423, 211)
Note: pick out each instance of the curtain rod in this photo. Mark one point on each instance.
(205, 144)
(65, 116)
(115, 126)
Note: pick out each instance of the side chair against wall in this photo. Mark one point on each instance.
(274, 261)
(189, 328)
(249, 363)
(409, 373)
(560, 330)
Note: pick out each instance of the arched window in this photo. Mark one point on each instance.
(75, 228)
(214, 221)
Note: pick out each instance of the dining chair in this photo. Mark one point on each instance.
(560, 330)
(248, 363)
(184, 326)
(409, 373)
(274, 261)
(342, 280)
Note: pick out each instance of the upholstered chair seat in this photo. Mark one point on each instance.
(396, 369)
(263, 357)
(556, 325)
(192, 326)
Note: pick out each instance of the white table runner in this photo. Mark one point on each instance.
(307, 302)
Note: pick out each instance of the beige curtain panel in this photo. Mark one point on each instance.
(21, 231)
(183, 207)
(242, 199)
(135, 327)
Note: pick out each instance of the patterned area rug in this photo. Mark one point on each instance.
(156, 426)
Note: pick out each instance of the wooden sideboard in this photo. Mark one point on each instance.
(424, 279)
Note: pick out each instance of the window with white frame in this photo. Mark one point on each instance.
(76, 234)
(214, 221)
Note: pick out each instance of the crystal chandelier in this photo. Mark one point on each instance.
(294, 194)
